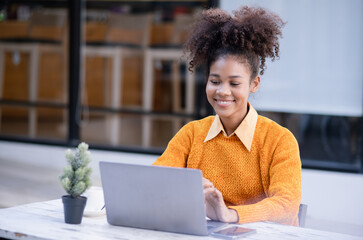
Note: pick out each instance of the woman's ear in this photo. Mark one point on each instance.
(255, 84)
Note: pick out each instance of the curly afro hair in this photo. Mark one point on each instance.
(251, 35)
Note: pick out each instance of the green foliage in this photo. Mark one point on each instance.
(76, 175)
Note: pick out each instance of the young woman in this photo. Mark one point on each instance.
(251, 165)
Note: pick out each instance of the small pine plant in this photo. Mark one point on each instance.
(76, 175)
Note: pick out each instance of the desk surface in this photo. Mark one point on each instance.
(45, 220)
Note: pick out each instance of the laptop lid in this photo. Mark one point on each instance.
(154, 197)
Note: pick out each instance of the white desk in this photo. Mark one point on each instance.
(44, 220)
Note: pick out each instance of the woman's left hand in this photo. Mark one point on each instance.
(216, 209)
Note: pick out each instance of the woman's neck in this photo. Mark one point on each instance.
(230, 124)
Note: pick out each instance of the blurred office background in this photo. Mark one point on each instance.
(112, 74)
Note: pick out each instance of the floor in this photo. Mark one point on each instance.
(22, 183)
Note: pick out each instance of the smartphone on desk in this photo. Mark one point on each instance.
(233, 232)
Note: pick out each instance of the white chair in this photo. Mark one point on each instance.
(35, 45)
(303, 208)
(126, 35)
(169, 52)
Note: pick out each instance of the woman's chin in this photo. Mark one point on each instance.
(223, 114)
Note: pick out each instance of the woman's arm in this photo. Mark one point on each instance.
(284, 187)
(177, 151)
(283, 190)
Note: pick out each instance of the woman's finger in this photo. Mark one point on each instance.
(211, 193)
(207, 183)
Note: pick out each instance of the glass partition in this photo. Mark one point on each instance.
(130, 89)
(136, 90)
(34, 70)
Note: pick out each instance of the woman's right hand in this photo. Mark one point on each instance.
(216, 208)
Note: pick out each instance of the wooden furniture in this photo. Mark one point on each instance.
(126, 35)
(46, 33)
(45, 220)
(14, 29)
(170, 52)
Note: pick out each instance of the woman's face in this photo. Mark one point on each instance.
(228, 88)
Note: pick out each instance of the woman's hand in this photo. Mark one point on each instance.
(216, 209)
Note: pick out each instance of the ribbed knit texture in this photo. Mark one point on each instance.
(261, 185)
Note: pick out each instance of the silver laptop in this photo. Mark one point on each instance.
(157, 198)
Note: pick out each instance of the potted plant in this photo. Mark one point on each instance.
(75, 181)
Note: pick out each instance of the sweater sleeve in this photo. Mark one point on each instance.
(283, 189)
(177, 151)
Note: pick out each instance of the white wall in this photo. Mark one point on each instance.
(320, 69)
(335, 200)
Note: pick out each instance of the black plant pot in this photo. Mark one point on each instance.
(73, 208)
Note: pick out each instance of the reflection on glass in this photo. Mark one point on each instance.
(34, 71)
(322, 137)
(14, 120)
(52, 123)
(94, 128)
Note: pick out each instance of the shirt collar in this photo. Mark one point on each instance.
(244, 131)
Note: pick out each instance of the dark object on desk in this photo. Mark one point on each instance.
(233, 232)
(73, 208)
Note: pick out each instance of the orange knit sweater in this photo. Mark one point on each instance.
(261, 185)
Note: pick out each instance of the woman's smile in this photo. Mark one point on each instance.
(224, 103)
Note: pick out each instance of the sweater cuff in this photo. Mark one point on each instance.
(249, 213)
(263, 212)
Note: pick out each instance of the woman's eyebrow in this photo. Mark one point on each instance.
(214, 75)
(235, 76)
(230, 77)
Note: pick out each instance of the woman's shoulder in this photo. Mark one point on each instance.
(203, 124)
(196, 129)
(269, 128)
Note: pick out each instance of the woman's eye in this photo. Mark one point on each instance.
(214, 81)
(234, 84)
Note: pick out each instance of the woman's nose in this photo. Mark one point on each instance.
(223, 90)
